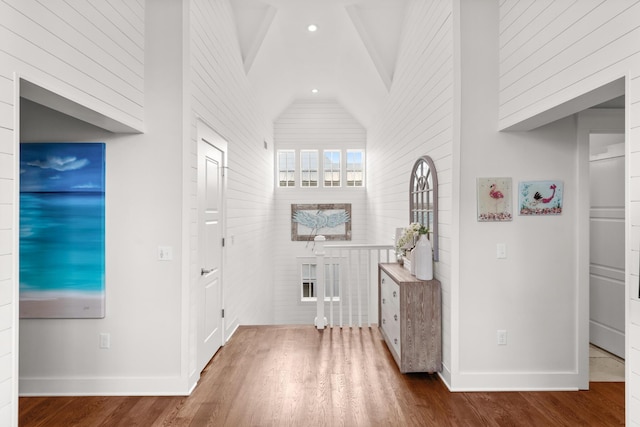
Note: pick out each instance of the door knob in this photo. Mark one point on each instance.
(204, 271)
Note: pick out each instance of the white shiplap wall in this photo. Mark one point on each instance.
(8, 317)
(632, 329)
(552, 52)
(417, 121)
(311, 124)
(90, 52)
(222, 98)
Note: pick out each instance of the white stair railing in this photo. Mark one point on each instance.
(356, 302)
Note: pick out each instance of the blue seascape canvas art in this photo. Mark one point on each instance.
(62, 230)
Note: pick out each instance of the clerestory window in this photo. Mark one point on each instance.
(355, 168)
(286, 168)
(308, 168)
(332, 168)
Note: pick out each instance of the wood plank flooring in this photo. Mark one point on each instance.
(297, 376)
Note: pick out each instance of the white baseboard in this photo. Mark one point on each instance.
(122, 386)
(445, 376)
(231, 330)
(509, 381)
(607, 338)
(515, 381)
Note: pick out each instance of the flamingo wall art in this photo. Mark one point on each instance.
(540, 197)
(494, 199)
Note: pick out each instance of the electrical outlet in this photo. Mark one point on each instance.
(501, 337)
(105, 340)
(165, 253)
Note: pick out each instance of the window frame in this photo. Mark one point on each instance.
(347, 170)
(279, 171)
(311, 281)
(309, 171)
(332, 171)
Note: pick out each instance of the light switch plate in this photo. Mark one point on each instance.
(501, 251)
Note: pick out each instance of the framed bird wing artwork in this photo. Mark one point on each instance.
(332, 220)
(540, 198)
(494, 199)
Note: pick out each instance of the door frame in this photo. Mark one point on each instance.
(590, 121)
(206, 134)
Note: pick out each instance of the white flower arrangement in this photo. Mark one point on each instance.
(409, 237)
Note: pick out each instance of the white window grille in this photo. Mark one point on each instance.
(332, 168)
(286, 168)
(308, 168)
(355, 168)
(308, 281)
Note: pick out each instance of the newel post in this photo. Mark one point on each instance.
(320, 320)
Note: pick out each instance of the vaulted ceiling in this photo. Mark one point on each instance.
(350, 58)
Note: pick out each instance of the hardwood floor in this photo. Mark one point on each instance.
(297, 376)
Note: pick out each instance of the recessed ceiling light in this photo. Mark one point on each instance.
(314, 90)
(312, 28)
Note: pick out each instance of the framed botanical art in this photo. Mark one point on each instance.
(540, 197)
(494, 199)
(332, 220)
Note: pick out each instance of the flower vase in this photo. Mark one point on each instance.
(423, 259)
(412, 264)
(407, 262)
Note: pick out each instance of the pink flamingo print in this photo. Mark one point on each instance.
(538, 197)
(495, 195)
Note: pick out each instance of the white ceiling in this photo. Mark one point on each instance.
(351, 58)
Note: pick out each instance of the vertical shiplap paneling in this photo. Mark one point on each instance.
(92, 52)
(633, 307)
(221, 97)
(565, 51)
(417, 121)
(8, 389)
(319, 125)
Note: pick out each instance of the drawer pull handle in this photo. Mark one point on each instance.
(395, 294)
(395, 317)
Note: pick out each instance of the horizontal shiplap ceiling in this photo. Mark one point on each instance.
(350, 58)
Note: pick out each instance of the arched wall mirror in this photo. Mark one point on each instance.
(423, 198)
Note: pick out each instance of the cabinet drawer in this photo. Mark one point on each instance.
(388, 301)
(390, 323)
(389, 291)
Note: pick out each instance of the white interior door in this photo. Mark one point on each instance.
(210, 198)
(607, 245)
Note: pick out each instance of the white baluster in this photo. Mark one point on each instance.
(320, 320)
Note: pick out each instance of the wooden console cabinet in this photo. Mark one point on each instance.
(410, 316)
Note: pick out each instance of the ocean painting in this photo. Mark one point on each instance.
(62, 230)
